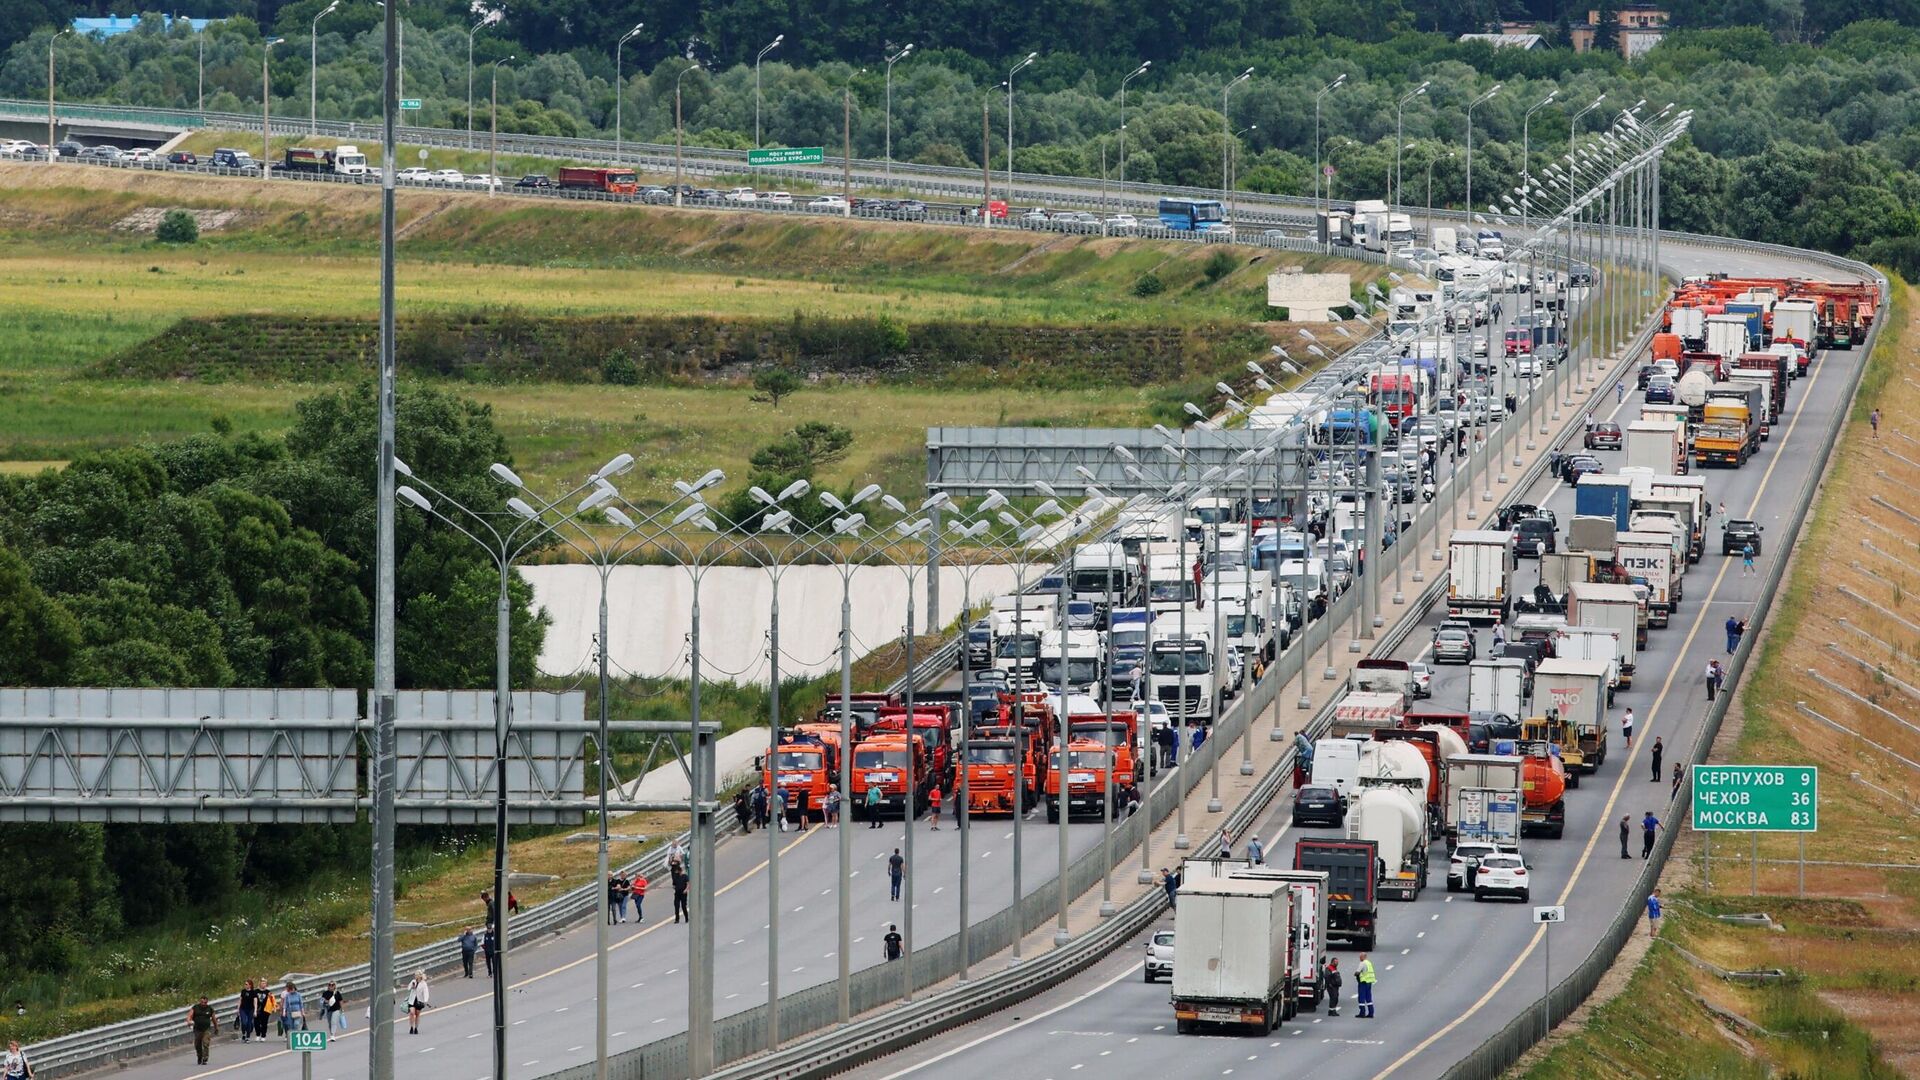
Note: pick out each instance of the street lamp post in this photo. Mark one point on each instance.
(679, 178)
(505, 544)
(1137, 72)
(892, 60)
(1030, 58)
(1430, 165)
(620, 89)
(762, 55)
(54, 37)
(1226, 147)
(266, 99)
(493, 129)
(1233, 162)
(1399, 138)
(313, 70)
(1475, 103)
(1324, 91)
(200, 41)
(1526, 158)
(486, 20)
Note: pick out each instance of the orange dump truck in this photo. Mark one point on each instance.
(897, 769)
(804, 768)
(1086, 767)
(998, 771)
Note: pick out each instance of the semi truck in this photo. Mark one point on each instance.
(1351, 867)
(1543, 790)
(1592, 535)
(1770, 369)
(1610, 607)
(1797, 320)
(1604, 495)
(1578, 689)
(1657, 445)
(1727, 335)
(1480, 575)
(1650, 556)
(1364, 711)
(1392, 815)
(1684, 497)
(1728, 433)
(1484, 798)
(1597, 644)
(611, 181)
(1236, 962)
(1559, 569)
(1309, 941)
(1754, 394)
(342, 160)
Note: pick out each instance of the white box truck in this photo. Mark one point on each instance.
(1657, 445)
(1578, 689)
(1796, 320)
(1236, 957)
(1497, 686)
(1594, 643)
(1310, 894)
(1480, 575)
(1650, 555)
(1609, 607)
(1494, 813)
(1727, 335)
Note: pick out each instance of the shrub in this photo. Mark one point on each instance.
(178, 227)
(619, 369)
(1219, 265)
(1149, 284)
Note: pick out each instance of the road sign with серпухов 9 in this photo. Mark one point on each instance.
(1756, 798)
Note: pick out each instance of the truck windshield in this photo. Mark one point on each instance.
(1083, 759)
(1190, 662)
(797, 759)
(622, 177)
(1128, 639)
(1022, 648)
(1237, 625)
(1078, 671)
(1112, 736)
(880, 759)
(990, 755)
(1180, 589)
(1102, 581)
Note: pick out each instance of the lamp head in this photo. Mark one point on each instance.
(520, 507)
(506, 476)
(619, 517)
(619, 466)
(993, 501)
(412, 496)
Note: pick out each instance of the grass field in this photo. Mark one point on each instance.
(1851, 947)
(74, 289)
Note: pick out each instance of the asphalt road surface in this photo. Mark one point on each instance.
(1451, 971)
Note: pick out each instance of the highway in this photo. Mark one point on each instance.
(1451, 970)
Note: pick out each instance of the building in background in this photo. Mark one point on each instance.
(115, 25)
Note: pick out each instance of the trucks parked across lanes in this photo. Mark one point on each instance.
(1236, 956)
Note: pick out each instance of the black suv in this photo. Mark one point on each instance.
(1533, 536)
(1737, 533)
(1314, 805)
(534, 180)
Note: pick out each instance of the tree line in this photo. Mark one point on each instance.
(230, 560)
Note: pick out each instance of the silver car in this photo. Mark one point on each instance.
(1159, 956)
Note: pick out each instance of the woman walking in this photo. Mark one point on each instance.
(416, 1001)
(14, 1066)
(332, 1004)
(249, 1001)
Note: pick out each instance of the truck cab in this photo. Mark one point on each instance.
(1168, 660)
(1556, 730)
(888, 762)
(999, 777)
(1087, 765)
(1082, 668)
(804, 768)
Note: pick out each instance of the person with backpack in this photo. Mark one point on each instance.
(269, 1010)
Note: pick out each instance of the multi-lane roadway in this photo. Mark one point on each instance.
(1451, 970)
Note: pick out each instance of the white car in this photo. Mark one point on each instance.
(1526, 367)
(19, 147)
(1122, 223)
(741, 195)
(1501, 874)
(483, 181)
(414, 175)
(447, 176)
(1465, 860)
(1421, 674)
(139, 155)
(828, 204)
(777, 198)
(1159, 956)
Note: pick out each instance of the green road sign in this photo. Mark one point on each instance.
(409, 102)
(786, 155)
(1756, 798)
(307, 1041)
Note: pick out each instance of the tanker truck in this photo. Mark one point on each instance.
(1391, 813)
(1543, 789)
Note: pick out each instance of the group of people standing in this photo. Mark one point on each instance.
(261, 1007)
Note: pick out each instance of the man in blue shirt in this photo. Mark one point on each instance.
(1653, 914)
(1649, 825)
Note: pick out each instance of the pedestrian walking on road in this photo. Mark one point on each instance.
(780, 808)
(1330, 979)
(1746, 559)
(14, 1066)
(933, 806)
(638, 887)
(1873, 420)
(1619, 392)
(204, 1023)
(890, 944)
(760, 806)
(294, 1008)
(1626, 727)
(489, 949)
(1649, 825)
(896, 869)
(832, 808)
(1733, 634)
(1653, 914)
(1713, 687)
(263, 1006)
(1658, 751)
(743, 810)
(1677, 775)
(486, 901)
(469, 944)
(1363, 979)
(1256, 852)
(803, 803)
(249, 1001)
(1626, 831)
(333, 1009)
(682, 882)
(417, 1001)
(873, 806)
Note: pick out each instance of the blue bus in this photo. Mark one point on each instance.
(1191, 214)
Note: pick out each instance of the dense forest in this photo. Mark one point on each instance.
(1804, 132)
(226, 560)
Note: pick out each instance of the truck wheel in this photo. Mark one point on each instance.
(1184, 1027)
(1053, 813)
